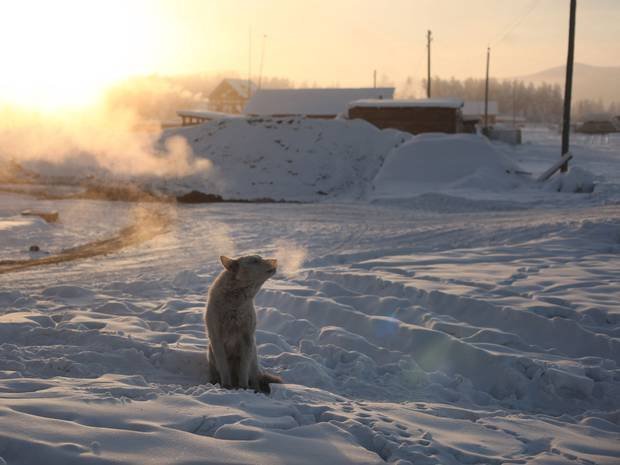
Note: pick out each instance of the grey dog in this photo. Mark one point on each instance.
(231, 324)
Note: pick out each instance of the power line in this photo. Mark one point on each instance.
(486, 94)
(514, 24)
(249, 92)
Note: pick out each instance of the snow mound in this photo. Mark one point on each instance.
(439, 162)
(290, 159)
(576, 180)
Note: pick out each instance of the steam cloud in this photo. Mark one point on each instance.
(220, 238)
(90, 141)
(290, 256)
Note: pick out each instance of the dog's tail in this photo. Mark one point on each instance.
(264, 379)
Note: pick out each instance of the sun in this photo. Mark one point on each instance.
(63, 54)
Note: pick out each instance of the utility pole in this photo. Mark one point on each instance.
(514, 103)
(249, 62)
(374, 79)
(429, 38)
(486, 94)
(568, 86)
(262, 59)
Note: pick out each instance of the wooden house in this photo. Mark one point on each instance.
(193, 117)
(231, 96)
(414, 116)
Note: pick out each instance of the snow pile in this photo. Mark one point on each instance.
(291, 159)
(576, 180)
(440, 162)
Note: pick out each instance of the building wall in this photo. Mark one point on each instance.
(492, 118)
(234, 106)
(415, 120)
(226, 99)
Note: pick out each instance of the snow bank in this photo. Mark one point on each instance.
(576, 180)
(291, 159)
(437, 162)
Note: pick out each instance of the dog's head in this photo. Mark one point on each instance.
(250, 268)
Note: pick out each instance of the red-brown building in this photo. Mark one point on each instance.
(414, 116)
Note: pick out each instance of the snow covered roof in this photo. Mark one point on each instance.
(238, 86)
(432, 103)
(310, 101)
(476, 107)
(241, 86)
(210, 115)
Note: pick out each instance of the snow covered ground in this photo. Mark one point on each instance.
(450, 326)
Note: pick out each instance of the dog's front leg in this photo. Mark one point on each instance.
(221, 362)
(247, 355)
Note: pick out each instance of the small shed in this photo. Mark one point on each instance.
(474, 110)
(597, 123)
(231, 95)
(511, 120)
(312, 103)
(414, 116)
(470, 123)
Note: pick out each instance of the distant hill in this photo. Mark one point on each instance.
(590, 82)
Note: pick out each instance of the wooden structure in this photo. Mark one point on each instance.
(469, 124)
(193, 117)
(414, 116)
(231, 96)
(474, 109)
(598, 124)
(556, 166)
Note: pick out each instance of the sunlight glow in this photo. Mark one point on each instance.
(64, 53)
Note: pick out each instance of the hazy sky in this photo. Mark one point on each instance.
(63, 50)
(342, 41)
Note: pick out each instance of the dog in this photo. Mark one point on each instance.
(230, 319)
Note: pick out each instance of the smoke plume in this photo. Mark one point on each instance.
(98, 140)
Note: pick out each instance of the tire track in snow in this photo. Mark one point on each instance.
(146, 226)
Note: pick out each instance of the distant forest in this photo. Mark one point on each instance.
(541, 103)
(159, 97)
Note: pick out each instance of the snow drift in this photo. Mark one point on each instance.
(436, 162)
(576, 180)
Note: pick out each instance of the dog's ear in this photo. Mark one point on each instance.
(230, 264)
